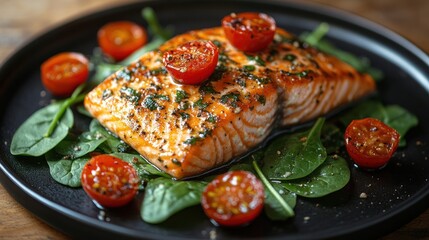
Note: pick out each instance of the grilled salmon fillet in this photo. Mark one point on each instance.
(186, 130)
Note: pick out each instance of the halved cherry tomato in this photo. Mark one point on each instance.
(370, 142)
(119, 39)
(192, 62)
(233, 198)
(110, 181)
(249, 31)
(62, 73)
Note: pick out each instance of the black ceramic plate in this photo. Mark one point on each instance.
(395, 195)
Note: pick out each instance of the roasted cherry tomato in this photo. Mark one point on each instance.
(110, 181)
(62, 73)
(119, 39)
(370, 142)
(192, 62)
(233, 198)
(249, 31)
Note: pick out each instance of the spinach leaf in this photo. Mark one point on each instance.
(82, 110)
(112, 144)
(29, 139)
(332, 138)
(331, 176)
(275, 209)
(65, 171)
(295, 155)
(242, 167)
(401, 120)
(369, 108)
(76, 148)
(277, 202)
(165, 197)
(145, 170)
(392, 115)
(74, 98)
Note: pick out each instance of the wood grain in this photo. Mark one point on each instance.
(20, 20)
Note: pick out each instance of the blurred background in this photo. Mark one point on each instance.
(21, 20)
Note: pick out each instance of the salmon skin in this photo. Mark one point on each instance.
(186, 130)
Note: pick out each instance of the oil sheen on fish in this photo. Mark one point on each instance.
(186, 130)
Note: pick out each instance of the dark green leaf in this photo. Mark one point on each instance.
(277, 201)
(242, 167)
(392, 115)
(29, 139)
(65, 171)
(332, 138)
(113, 144)
(145, 170)
(273, 208)
(401, 120)
(369, 108)
(165, 197)
(296, 155)
(76, 148)
(103, 70)
(331, 176)
(82, 110)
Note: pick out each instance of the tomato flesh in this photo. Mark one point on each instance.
(234, 198)
(192, 62)
(62, 73)
(120, 39)
(109, 181)
(249, 31)
(370, 142)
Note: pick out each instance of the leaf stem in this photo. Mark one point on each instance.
(153, 24)
(317, 128)
(271, 189)
(74, 98)
(315, 36)
(154, 44)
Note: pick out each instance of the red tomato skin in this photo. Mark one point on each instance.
(120, 39)
(185, 67)
(354, 143)
(62, 73)
(229, 219)
(249, 31)
(119, 199)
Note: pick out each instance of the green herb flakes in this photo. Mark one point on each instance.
(230, 99)
(249, 68)
(130, 94)
(200, 104)
(289, 57)
(150, 103)
(180, 95)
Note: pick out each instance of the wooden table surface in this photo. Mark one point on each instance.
(22, 19)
